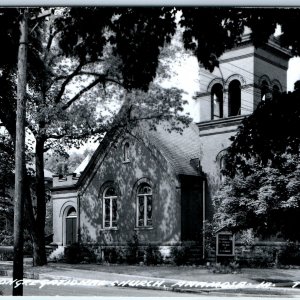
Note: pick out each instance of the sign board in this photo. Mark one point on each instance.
(225, 244)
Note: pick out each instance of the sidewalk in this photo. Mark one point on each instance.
(193, 279)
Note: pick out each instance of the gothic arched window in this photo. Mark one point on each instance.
(234, 98)
(217, 101)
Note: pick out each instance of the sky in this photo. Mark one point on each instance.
(187, 78)
(293, 73)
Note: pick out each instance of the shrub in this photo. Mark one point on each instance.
(27, 247)
(153, 255)
(77, 253)
(113, 255)
(180, 254)
(132, 251)
(6, 253)
(290, 254)
(227, 268)
(6, 238)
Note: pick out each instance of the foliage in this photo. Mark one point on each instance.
(247, 238)
(210, 238)
(61, 165)
(77, 253)
(27, 248)
(6, 183)
(114, 255)
(265, 135)
(227, 268)
(266, 200)
(132, 251)
(290, 254)
(153, 255)
(180, 254)
(6, 238)
(262, 188)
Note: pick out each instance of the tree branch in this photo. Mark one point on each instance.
(66, 82)
(105, 78)
(78, 95)
(55, 137)
(32, 129)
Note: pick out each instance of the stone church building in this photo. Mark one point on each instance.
(159, 184)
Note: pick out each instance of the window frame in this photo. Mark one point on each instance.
(145, 204)
(126, 147)
(221, 162)
(234, 98)
(217, 93)
(111, 198)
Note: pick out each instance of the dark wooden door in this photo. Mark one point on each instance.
(70, 230)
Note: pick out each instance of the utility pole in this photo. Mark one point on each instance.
(20, 157)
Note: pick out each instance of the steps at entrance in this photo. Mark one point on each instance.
(50, 249)
(57, 253)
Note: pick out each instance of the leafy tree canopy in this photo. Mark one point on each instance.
(265, 135)
(262, 189)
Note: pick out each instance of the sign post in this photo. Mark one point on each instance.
(225, 246)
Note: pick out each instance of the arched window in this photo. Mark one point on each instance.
(276, 91)
(234, 98)
(110, 208)
(221, 161)
(144, 206)
(264, 90)
(217, 101)
(126, 152)
(222, 167)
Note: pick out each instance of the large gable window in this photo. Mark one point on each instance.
(144, 206)
(110, 208)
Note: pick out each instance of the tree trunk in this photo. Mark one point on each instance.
(20, 159)
(38, 233)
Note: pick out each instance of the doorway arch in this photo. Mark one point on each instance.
(70, 226)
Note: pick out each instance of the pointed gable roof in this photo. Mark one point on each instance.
(179, 148)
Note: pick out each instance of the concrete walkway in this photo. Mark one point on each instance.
(271, 282)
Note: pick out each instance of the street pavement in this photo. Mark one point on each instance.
(162, 280)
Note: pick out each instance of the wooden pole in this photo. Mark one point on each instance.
(20, 158)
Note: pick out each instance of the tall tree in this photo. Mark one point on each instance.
(57, 112)
(19, 200)
(262, 189)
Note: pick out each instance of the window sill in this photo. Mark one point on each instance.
(109, 229)
(143, 228)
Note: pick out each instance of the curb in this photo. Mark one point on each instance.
(270, 291)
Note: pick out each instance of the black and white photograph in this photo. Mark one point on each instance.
(150, 151)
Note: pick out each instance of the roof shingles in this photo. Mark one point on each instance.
(178, 148)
